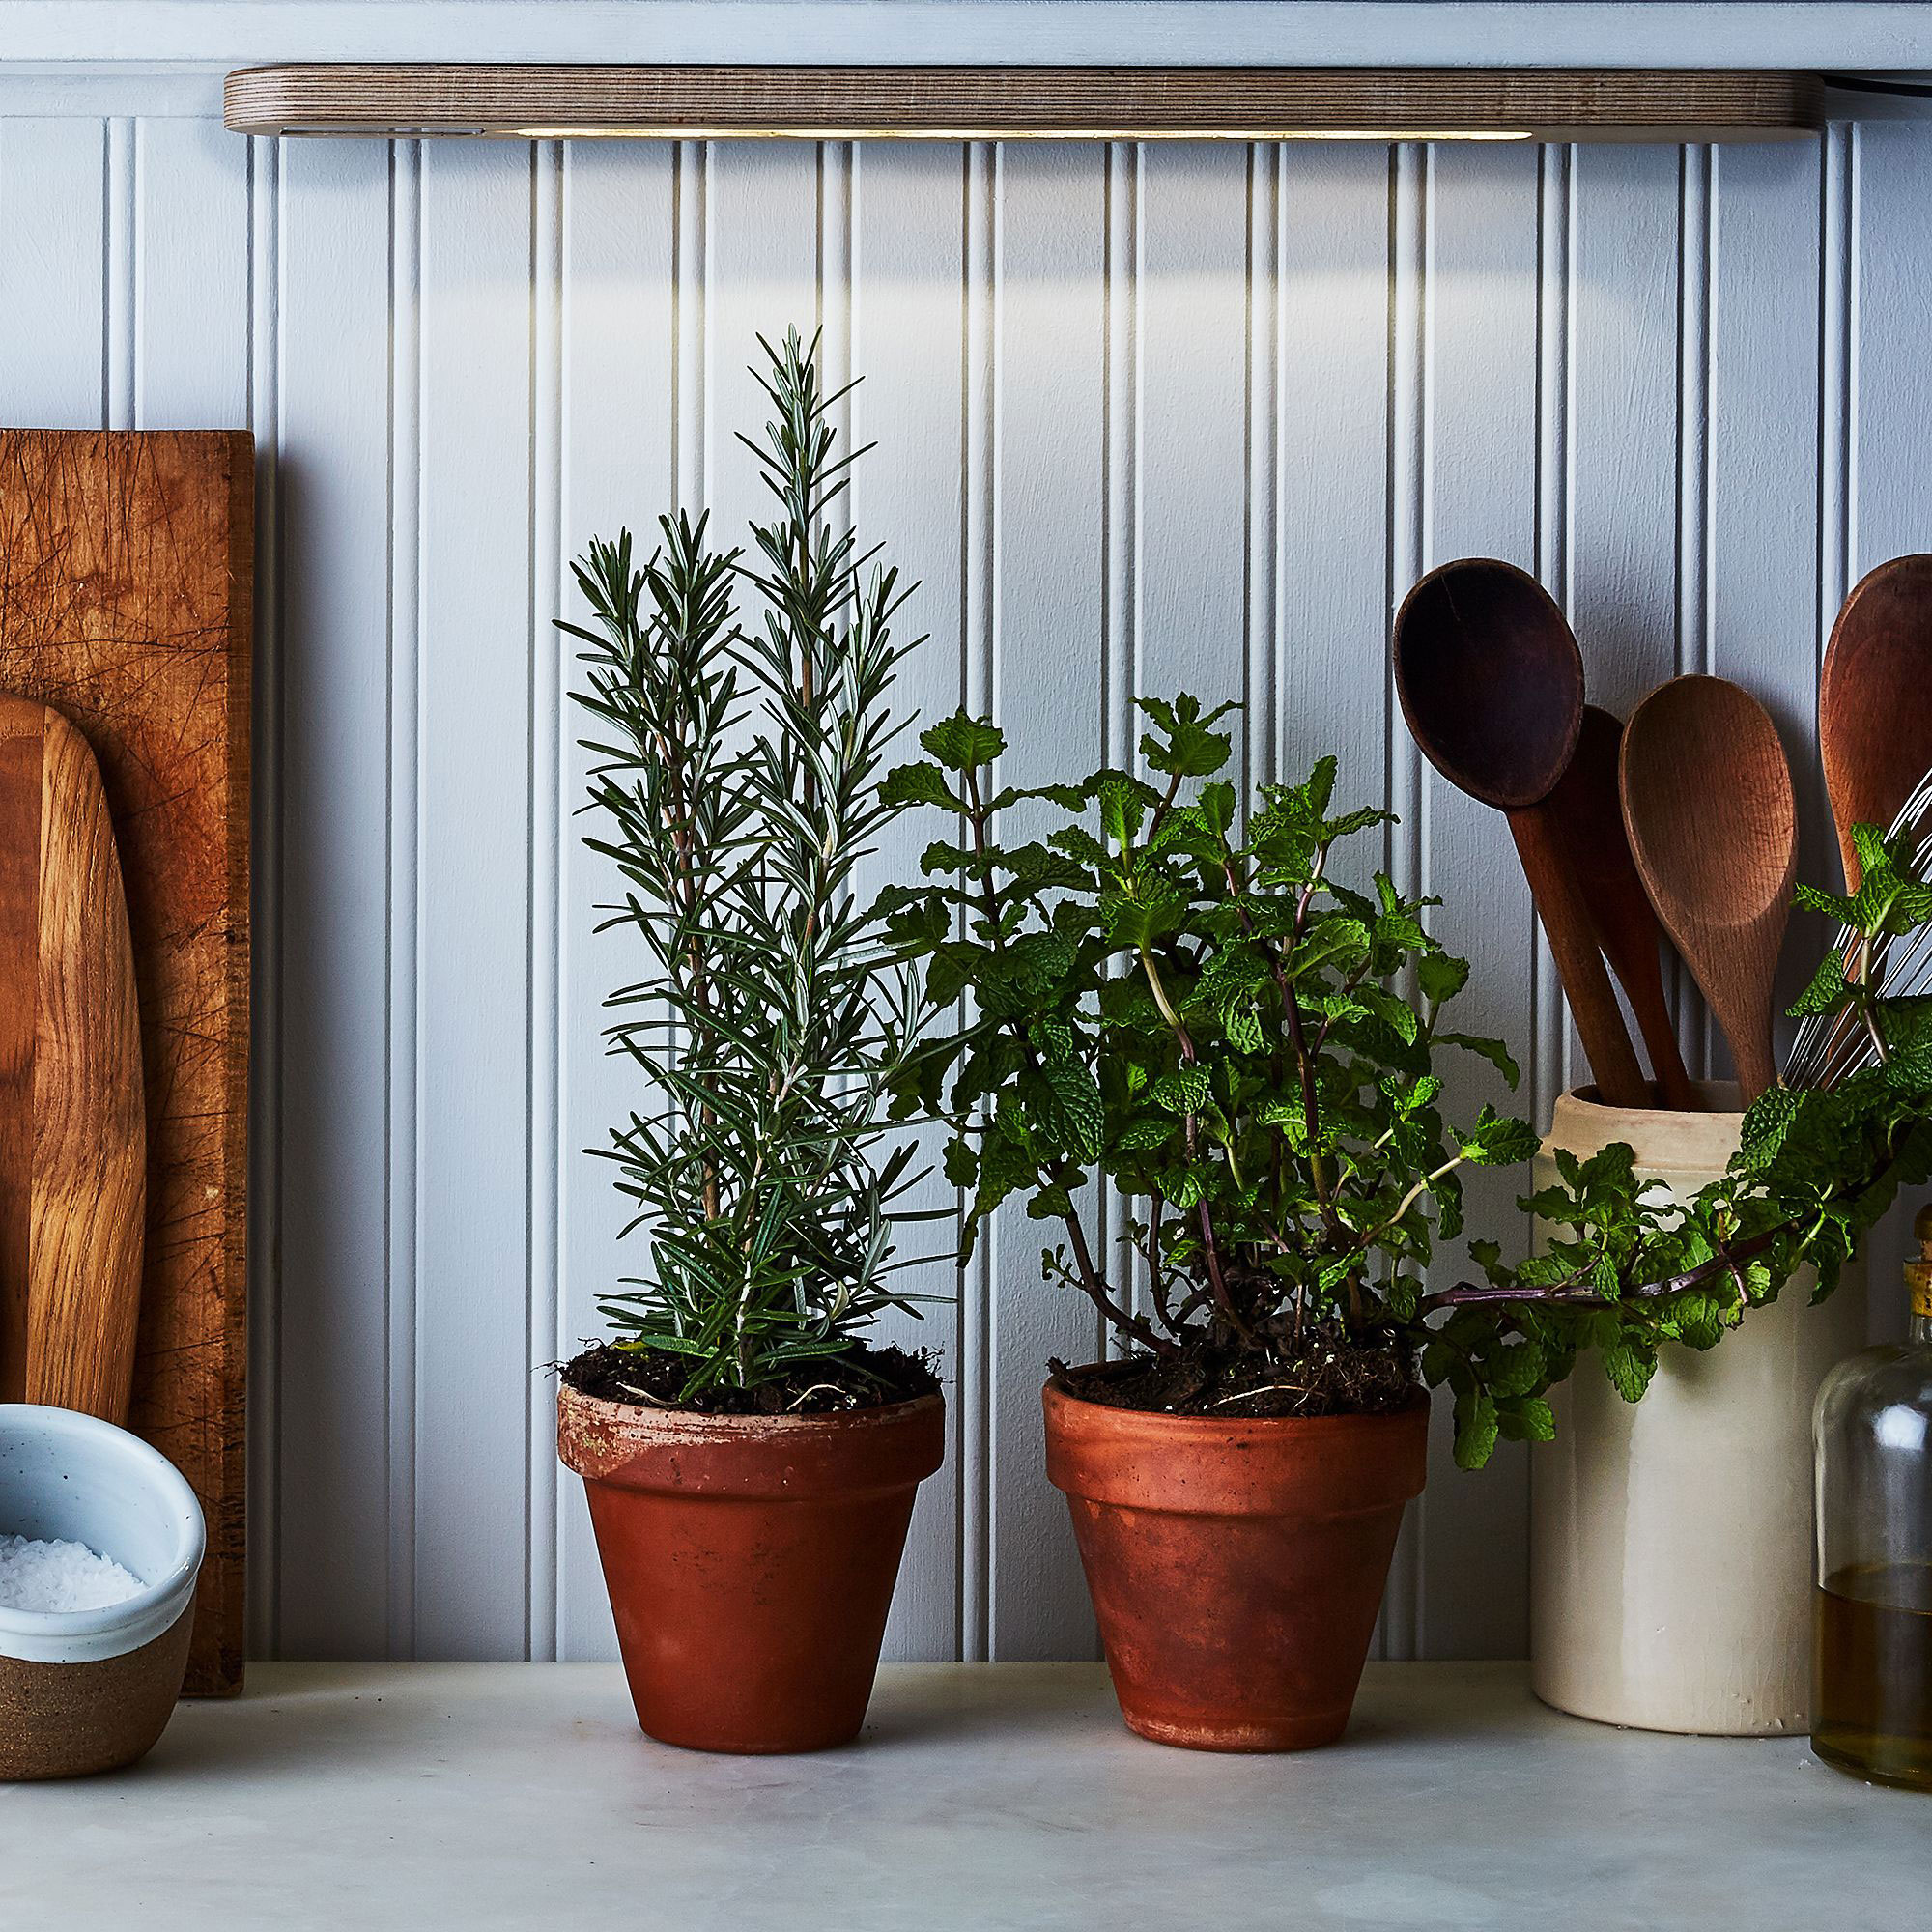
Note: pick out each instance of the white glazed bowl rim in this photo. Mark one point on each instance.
(86, 1636)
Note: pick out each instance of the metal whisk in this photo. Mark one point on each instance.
(1830, 1048)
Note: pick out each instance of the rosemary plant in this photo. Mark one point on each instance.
(736, 778)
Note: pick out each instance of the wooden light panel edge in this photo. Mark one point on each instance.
(1023, 104)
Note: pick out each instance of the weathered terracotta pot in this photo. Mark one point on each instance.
(750, 1560)
(1235, 1567)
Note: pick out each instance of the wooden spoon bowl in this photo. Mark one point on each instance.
(1492, 683)
(1875, 699)
(1491, 680)
(1712, 816)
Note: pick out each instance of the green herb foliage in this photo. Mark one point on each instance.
(736, 777)
(1182, 999)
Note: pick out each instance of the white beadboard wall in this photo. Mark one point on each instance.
(1146, 418)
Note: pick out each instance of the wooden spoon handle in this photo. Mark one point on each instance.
(1643, 987)
(1751, 1047)
(1572, 943)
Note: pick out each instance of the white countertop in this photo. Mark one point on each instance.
(460, 1796)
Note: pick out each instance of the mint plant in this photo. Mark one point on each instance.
(1816, 1168)
(737, 782)
(1182, 1000)
(1199, 1012)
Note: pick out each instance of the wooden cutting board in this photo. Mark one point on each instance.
(126, 570)
(73, 1151)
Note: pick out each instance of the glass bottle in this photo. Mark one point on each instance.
(1871, 1684)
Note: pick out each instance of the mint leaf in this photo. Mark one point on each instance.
(1497, 1141)
(962, 741)
(1629, 1366)
(918, 784)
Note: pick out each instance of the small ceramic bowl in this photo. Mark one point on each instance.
(87, 1690)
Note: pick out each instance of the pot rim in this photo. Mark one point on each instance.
(698, 1423)
(85, 1636)
(1419, 1398)
(849, 1451)
(1588, 1099)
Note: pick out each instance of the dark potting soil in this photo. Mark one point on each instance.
(862, 1378)
(1329, 1376)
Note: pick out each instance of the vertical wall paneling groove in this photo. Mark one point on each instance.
(1261, 612)
(473, 964)
(1625, 382)
(1189, 524)
(906, 341)
(53, 254)
(331, 1411)
(1121, 677)
(544, 893)
(1335, 378)
(1121, 673)
(1625, 377)
(1890, 350)
(1120, 622)
(1332, 531)
(188, 257)
(1411, 187)
(1702, 1046)
(406, 661)
(1545, 1069)
(1837, 383)
(1481, 466)
(1761, 561)
(760, 277)
(263, 402)
(1148, 419)
(979, 624)
(691, 175)
(1891, 406)
(119, 291)
(1695, 276)
(623, 354)
(1050, 510)
(1191, 336)
(834, 320)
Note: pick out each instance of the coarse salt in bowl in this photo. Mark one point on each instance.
(88, 1690)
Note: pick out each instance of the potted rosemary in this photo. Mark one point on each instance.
(750, 1460)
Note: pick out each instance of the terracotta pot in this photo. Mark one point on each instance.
(750, 1560)
(1670, 1540)
(1235, 1567)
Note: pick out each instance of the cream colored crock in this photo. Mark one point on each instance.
(1670, 1538)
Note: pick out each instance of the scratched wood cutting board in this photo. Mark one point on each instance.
(126, 583)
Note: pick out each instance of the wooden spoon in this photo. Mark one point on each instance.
(1712, 824)
(73, 1119)
(1492, 683)
(1875, 699)
(1597, 850)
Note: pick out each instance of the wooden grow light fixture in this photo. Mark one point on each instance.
(954, 103)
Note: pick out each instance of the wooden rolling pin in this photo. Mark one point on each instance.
(73, 1119)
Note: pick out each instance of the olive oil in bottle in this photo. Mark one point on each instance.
(1871, 1687)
